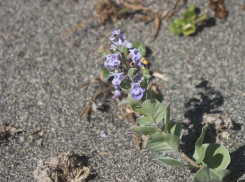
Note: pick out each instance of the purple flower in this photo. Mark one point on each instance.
(104, 134)
(136, 56)
(112, 61)
(117, 87)
(117, 38)
(127, 44)
(117, 78)
(136, 91)
(117, 93)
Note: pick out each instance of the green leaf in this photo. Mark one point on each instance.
(200, 141)
(200, 19)
(189, 28)
(174, 129)
(151, 95)
(136, 44)
(210, 175)
(137, 109)
(163, 142)
(170, 161)
(191, 8)
(131, 72)
(179, 22)
(135, 104)
(221, 172)
(201, 154)
(124, 50)
(189, 15)
(144, 130)
(167, 116)
(206, 174)
(105, 53)
(175, 29)
(141, 48)
(145, 72)
(126, 85)
(201, 138)
(147, 77)
(124, 66)
(143, 84)
(145, 81)
(105, 73)
(124, 102)
(143, 120)
(216, 156)
(154, 110)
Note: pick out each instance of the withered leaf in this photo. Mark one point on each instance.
(86, 112)
(138, 141)
(219, 8)
(161, 76)
(222, 14)
(156, 27)
(144, 18)
(74, 28)
(135, 6)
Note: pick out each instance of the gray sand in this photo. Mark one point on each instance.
(42, 74)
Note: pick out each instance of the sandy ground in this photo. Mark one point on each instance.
(42, 73)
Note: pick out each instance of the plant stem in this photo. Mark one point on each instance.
(189, 160)
(126, 64)
(157, 127)
(124, 61)
(167, 116)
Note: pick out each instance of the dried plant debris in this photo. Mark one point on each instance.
(112, 11)
(128, 111)
(145, 14)
(36, 136)
(66, 167)
(103, 90)
(221, 125)
(160, 75)
(219, 8)
(76, 27)
(108, 10)
(7, 131)
(144, 140)
(138, 140)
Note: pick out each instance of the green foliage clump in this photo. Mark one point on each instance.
(188, 24)
(210, 159)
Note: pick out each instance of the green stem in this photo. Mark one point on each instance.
(157, 127)
(126, 64)
(189, 160)
(167, 115)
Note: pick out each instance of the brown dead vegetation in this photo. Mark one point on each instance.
(7, 131)
(65, 167)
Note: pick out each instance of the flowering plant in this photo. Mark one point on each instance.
(130, 72)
